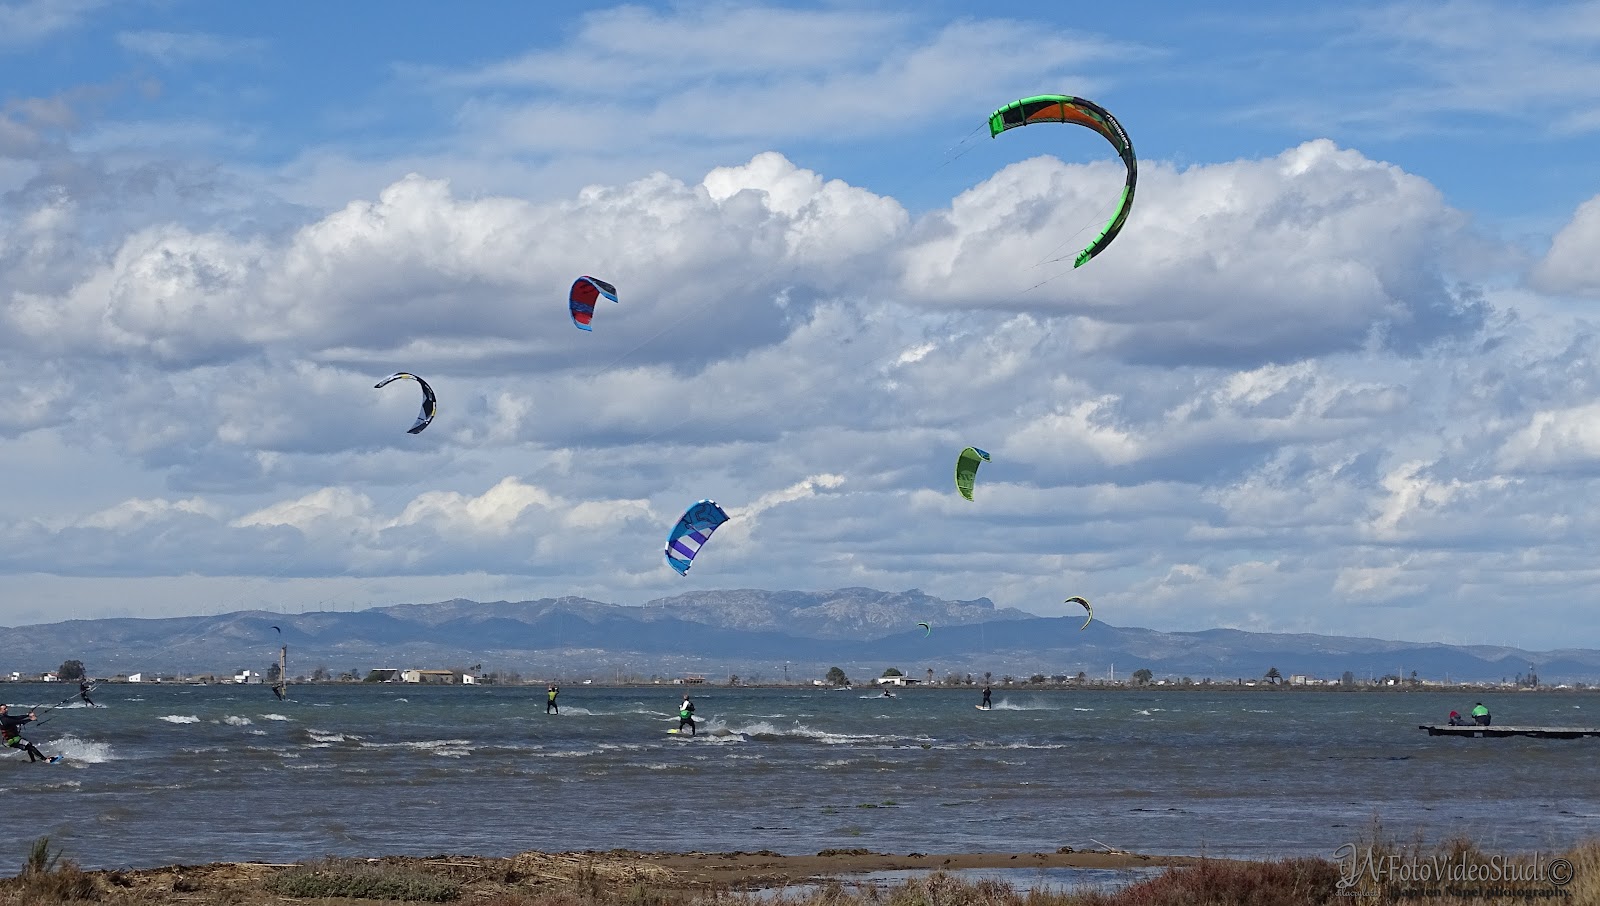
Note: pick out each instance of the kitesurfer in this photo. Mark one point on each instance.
(986, 694)
(1480, 715)
(888, 694)
(11, 733)
(1456, 720)
(686, 715)
(550, 699)
(83, 691)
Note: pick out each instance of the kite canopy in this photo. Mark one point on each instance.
(967, 469)
(1077, 600)
(691, 533)
(429, 401)
(1061, 108)
(585, 292)
(926, 629)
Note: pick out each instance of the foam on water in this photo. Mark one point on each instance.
(448, 748)
(83, 750)
(1005, 704)
(234, 720)
(179, 718)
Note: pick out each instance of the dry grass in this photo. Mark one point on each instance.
(636, 879)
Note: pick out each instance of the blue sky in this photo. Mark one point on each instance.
(1336, 375)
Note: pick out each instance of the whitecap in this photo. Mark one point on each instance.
(84, 750)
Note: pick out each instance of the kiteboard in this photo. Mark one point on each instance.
(56, 759)
(982, 707)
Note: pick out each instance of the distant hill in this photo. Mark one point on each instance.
(758, 635)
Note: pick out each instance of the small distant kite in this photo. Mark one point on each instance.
(586, 291)
(691, 533)
(1061, 108)
(1077, 600)
(926, 629)
(429, 401)
(967, 469)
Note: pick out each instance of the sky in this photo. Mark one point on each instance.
(1339, 373)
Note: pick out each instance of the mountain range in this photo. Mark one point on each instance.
(761, 636)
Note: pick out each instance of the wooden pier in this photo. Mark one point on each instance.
(1540, 732)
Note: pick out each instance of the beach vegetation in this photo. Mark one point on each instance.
(48, 878)
(625, 878)
(361, 879)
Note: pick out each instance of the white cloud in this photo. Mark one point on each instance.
(1572, 265)
(24, 22)
(170, 48)
(1315, 250)
(1555, 439)
(724, 73)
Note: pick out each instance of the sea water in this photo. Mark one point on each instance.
(166, 774)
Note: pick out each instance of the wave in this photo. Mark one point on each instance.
(235, 721)
(447, 748)
(764, 729)
(84, 750)
(179, 719)
(1006, 705)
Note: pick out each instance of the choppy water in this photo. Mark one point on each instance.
(167, 774)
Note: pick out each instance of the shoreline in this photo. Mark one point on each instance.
(832, 877)
(687, 872)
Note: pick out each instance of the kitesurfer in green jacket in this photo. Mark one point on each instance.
(1480, 714)
(11, 733)
(686, 715)
(550, 694)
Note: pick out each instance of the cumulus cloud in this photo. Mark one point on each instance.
(1317, 250)
(1271, 403)
(1572, 266)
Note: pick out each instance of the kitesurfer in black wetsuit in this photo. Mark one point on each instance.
(986, 694)
(83, 691)
(11, 733)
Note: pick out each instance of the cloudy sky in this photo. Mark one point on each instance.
(1340, 373)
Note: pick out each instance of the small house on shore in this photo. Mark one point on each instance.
(427, 676)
